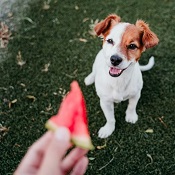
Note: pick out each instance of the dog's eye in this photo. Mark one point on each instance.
(110, 41)
(132, 46)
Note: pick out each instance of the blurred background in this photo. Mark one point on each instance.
(46, 44)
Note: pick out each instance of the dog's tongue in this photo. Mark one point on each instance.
(114, 70)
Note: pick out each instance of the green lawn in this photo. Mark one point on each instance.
(29, 95)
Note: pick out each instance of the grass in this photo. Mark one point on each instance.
(52, 37)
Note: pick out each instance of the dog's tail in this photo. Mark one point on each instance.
(148, 66)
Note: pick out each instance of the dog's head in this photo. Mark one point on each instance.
(123, 43)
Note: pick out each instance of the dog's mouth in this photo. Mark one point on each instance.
(115, 72)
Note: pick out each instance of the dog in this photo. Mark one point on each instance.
(116, 71)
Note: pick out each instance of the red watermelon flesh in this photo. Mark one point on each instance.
(72, 114)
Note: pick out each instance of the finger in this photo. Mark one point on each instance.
(34, 154)
(71, 159)
(57, 148)
(81, 166)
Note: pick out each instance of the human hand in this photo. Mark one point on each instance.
(47, 156)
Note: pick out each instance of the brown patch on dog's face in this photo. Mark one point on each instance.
(131, 43)
(136, 39)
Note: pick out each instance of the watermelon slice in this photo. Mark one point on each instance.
(72, 114)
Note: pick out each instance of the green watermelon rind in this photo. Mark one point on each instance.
(82, 142)
(51, 126)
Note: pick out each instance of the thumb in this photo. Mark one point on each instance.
(56, 150)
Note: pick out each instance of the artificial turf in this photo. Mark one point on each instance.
(58, 37)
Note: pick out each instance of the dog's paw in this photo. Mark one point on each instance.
(106, 130)
(89, 79)
(131, 117)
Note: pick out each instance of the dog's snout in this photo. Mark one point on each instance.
(115, 60)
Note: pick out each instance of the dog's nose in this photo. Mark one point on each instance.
(115, 60)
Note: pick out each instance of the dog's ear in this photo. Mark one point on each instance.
(149, 38)
(102, 27)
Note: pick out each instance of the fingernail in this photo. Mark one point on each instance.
(62, 134)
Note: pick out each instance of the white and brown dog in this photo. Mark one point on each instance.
(116, 71)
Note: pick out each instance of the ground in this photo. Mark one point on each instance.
(50, 47)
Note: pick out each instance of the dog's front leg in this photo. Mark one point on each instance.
(131, 115)
(108, 110)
